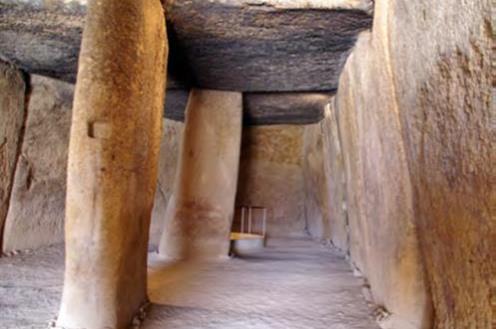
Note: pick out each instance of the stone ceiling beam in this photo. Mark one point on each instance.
(249, 46)
(284, 108)
(257, 47)
(262, 108)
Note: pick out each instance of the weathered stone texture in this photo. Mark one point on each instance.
(301, 46)
(317, 217)
(262, 108)
(113, 157)
(325, 186)
(416, 122)
(12, 116)
(37, 215)
(383, 241)
(440, 57)
(271, 176)
(201, 210)
(175, 104)
(227, 44)
(42, 37)
(336, 179)
(36, 212)
(284, 108)
(167, 167)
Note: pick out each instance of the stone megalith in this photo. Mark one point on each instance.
(112, 169)
(202, 209)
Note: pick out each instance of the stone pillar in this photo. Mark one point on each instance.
(112, 169)
(203, 204)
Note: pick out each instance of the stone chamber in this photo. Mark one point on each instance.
(355, 137)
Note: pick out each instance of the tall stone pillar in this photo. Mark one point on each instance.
(112, 169)
(202, 207)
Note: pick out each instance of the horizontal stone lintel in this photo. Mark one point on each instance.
(220, 45)
(263, 108)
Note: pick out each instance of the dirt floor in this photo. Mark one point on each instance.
(292, 284)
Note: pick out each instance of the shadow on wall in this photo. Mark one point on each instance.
(271, 176)
(12, 113)
(36, 212)
(413, 113)
(270, 172)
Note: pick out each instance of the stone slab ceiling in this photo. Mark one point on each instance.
(252, 46)
(262, 108)
(257, 46)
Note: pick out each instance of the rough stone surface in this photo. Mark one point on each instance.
(317, 197)
(175, 104)
(336, 179)
(202, 208)
(440, 58)
(36, 211)
(226, 45)
(271, 176)
(215, 44)
(262, 108)
(113, 157)
(291, 285)
(167, 167)
(416, 126)
(325, 185)
(44, 37)
(12, 114)
(37, 214)
(284, 108)
(383, 242)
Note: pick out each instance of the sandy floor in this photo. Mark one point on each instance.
(291, 285)
(30, 288)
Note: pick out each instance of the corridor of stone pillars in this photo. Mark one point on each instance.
(277, 164)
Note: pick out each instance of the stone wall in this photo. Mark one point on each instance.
(325, 185)
(271, 176)
(443, 90)
(383, 241)
(169, 153)
(316, 182)
(12, 116)
(36, 211)
(417, 132)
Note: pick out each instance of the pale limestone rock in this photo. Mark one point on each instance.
(325, 182)
(43, 37)
(37, 215)
(12, 116)
(383, 242)
(36, 212)
(414, 112)
(271, 176)
(167, 167)
(336, 179)
(206, 181)
(442, 58)
(317, 197)
(112, 169)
